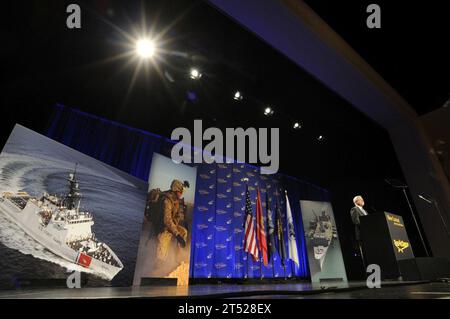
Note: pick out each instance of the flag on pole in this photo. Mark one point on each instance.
(293, 252)
(272, 248)
(250, 245)
(260, 229)
(280, 235)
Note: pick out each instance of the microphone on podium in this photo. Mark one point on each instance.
(373, 210)
(429, 201)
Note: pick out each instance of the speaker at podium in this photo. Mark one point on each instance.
(385, 242)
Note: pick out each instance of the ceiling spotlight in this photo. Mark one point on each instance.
(320, 138)
(195, 74)
(145, 48)
(238, 96)
(297, 126)
(268, 111)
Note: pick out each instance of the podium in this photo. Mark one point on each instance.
(385, 242)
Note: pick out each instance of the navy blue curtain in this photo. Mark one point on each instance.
(217, 247)
(120, 146)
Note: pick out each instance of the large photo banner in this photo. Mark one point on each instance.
(165, 244)
(322, 242)
(62, 211)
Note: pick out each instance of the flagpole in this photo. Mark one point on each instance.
(287, 228)
(277, 227)
(284, 245)
(261, 258)
(246, 183)
(268, 230)
(273, 267)
(260, 269)
(247, 267)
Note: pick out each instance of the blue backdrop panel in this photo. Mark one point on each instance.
(204, 223)
(238, 221)
(224, 258)
(218, 234)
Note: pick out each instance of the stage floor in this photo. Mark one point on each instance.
(352, 290)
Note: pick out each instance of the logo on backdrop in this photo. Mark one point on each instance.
(258, 146)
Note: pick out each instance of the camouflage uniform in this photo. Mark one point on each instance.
(173, 217)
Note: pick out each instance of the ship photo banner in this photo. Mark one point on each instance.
(322, 242)
(63, 212)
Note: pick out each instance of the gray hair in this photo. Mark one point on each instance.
(356, 198)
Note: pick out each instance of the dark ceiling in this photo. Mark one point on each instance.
(45, 63)
(410, 51)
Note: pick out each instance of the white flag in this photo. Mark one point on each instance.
(293, 252)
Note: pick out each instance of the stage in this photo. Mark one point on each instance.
(352, 290)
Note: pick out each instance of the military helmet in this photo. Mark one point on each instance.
(177, 186)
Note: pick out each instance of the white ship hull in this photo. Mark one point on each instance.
(319, 254)
(52, 237)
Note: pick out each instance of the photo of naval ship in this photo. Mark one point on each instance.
(60, 226)
(321, 234)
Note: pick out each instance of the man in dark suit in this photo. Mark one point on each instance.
(356, 212)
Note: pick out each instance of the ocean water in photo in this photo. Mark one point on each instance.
(36, 164)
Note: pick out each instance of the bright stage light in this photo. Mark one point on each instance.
(145, 48)
(320, 138)
(195, 74)
(238, 96)
(297, 126)
(268, 111)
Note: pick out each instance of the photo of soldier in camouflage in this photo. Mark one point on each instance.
(166, 212)
(164, 249)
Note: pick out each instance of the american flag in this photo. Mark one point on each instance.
(250, 245)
